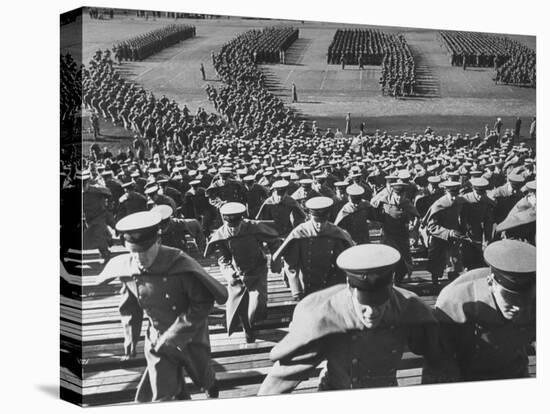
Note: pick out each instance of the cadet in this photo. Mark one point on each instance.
(477, 217)
(507, 195)
(310, 250)
(239, 247)
(487, 315)
(282, 209)
(521, 222)
(131, 202)
(176, 295)
(361, 329)
(445, 233)
(255, 195)
(305, 192)
(354, 215)
(395, 212)
(173, 230)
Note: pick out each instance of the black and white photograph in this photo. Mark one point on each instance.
(254, 206)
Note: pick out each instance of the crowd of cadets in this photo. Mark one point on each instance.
(520, 69)
(513, 62)
(270, 44)
(71, 89)
(399, 182)
(307, 197)
(243, 100)
(158, 122)
(144, 45)
(374, 47)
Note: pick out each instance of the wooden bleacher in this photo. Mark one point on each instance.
(93, 369)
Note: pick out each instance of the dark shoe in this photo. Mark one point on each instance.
(183, 395)
(250, 338)
(212, 392)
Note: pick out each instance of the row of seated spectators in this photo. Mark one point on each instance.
(144, 45)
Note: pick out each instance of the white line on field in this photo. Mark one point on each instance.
(288, 77)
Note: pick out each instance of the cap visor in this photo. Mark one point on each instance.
(141, 246)
(372, 298)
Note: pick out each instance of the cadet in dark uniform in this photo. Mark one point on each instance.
(446, 232)
(176, 296)
(305, 192)
(360, 329)
(487, 316)
(477, 217)
(507, 195)
(282, 209)
(157, 199)
(255, 195)
(395, 212)
(310, 250)
(521, 222)
(354, 216)
(239, 247)
(131, 202)
(173, 230)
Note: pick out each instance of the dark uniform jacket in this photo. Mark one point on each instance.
(243, 264)
(325, 327)
(230, 191)
(444, 216)
(174, 234)
(505, 199)
(354, 219)
(255, 196)
(311, 257)
(479, 342)
(477, 216)
(131, 202)
(286, 213)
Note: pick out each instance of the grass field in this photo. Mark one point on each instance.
(461, 101)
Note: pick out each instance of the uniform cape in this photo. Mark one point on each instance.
(439, 205)
(237, 293)
(325, 313)
(306, 230)
(285, 201)
(175, 262)
(248, 227)
(348, 209)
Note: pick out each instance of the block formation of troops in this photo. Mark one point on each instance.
(374, 47)
(514, 63)
(144, 45)
(71, 90)
(270, 194)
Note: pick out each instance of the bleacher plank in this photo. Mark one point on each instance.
(91, 330)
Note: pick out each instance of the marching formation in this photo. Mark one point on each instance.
(142, 46)
(514, 63)
(374, 47)
(265, 193)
